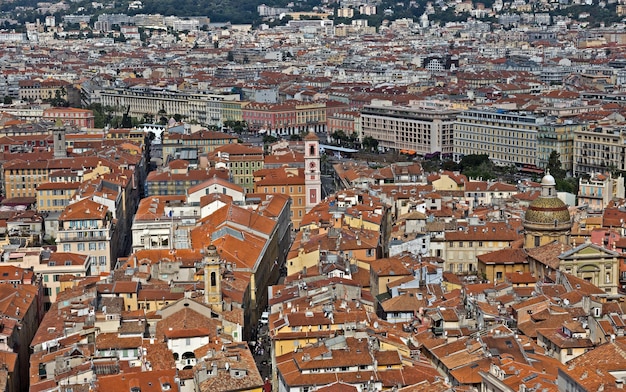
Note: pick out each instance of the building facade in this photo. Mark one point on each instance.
(204, 108)
(600, 148)
(418, 130)
(82, 118)
(507, 138)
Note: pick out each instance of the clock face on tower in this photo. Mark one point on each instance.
(312, 165)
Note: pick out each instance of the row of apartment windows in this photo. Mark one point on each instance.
(470, 244)
(81, 246)
(282, 190)
(54, 203)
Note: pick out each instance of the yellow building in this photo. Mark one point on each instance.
(449, 181)
(288, 181)
(38, 89)
(242, 161)
(496, 265)
(21, 178)
(460, 248)
(55, 196)
(384, 272)
(231, 110)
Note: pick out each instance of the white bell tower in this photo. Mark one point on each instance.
(312, 174)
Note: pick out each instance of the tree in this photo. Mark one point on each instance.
(555, 167)
(338, 136)
(370, 144)
(478, 166)
(7, 100)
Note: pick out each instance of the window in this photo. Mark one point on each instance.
(67, 247)
(102, 260)
(499, 275)
(92, 246)
(81, 247)
(537, 240)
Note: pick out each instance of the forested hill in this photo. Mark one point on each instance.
(234, 11)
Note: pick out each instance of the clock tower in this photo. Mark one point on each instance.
(312, 179)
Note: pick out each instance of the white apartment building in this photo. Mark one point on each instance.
(508, 138)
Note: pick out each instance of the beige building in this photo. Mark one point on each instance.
(594, 264)
(54, 265)
(460, 248)
(507, 138)
(599, 149)
(86, 227)
(415, 130)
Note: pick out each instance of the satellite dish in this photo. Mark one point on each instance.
(375, 324)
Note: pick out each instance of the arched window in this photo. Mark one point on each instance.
(213, 279)
(312, 150)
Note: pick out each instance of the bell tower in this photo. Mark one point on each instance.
(312, 174)
(58, 133)
(212, 279)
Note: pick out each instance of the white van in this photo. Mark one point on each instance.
(265, 318)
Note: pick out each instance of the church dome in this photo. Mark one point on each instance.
(547, 210)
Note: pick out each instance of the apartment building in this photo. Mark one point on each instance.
(417, 130)
(348, 122)
(559, 137)
(55, 196)
(19, 321)
(53, 265)
(598, 190)
(177, 178)
(599, 148)
(508, 138)
(242, 161)
(86, 227)
(462, 247)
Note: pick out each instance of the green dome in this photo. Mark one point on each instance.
(547, 210)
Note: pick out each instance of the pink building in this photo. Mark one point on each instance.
(73, 116)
